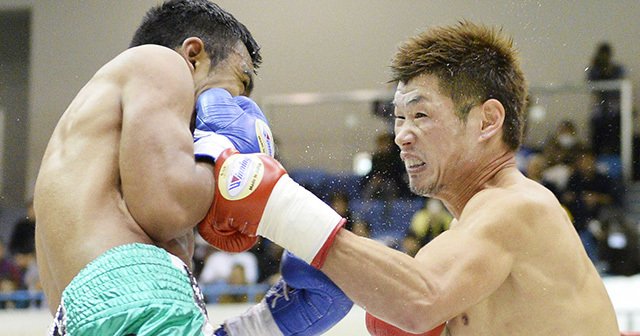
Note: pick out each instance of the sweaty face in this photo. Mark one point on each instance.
(235, 73)
(429, 134)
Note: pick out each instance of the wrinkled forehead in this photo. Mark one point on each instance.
(402, 97)
(416, 89)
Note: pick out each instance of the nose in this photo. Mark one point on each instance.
(404, 136)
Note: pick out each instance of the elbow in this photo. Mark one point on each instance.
(428, 329)
(424, 317)
(418, 324)
(173, 225)
(169, 204)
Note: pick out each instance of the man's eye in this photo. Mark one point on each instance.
(421, 115)
(399, 117)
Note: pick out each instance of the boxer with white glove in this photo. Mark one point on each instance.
(303, 302)
(223, 121)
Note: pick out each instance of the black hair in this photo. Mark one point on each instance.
(170, 23)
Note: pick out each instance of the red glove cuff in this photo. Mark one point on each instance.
(377, 327)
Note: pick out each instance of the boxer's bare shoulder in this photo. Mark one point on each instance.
(152, 60)
(528, 224)
(511, 204)
(146, 65)
(79, 185)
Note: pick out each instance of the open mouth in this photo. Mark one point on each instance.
(413, 164)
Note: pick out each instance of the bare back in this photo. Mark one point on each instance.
(79, 198)
(551, 288)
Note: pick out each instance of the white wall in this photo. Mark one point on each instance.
(321, 46)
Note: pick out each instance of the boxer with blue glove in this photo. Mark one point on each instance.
(223, 121)
(303, 302)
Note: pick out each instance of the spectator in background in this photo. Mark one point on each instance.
(219, 267)
(564, 143)
(560, 150)
(23, 235)
(619, 242)
(535, 170)
(22, 247)
(339, 202)
(430, 221)
(386, 180)
(237, 277)
(605, 117)
(361, 228)
(29, 278)
(10, 275)
(411, 244)
(588, 192)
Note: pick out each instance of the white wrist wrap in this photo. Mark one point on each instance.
(297, 220)
(257, 321)
(210, 144)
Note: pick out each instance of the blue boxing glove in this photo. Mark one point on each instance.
(303, 302)
(223, 121)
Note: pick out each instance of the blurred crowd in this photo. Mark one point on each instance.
(18, 268)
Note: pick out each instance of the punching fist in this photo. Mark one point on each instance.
(255, 196)
(245, 181)
(223, 121)
(377, 327)
(303, 302)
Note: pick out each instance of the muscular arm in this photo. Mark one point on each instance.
(164, 189)
(455, 271)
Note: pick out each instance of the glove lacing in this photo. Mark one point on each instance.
(277, 295)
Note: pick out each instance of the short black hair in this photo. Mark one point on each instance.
(473, 63)
(172, 22)
(604, 47)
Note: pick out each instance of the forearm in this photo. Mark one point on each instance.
(168, 203)
(385, 282)
(188, 200)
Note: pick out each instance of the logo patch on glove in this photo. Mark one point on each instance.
(239, 176)
(265, 138)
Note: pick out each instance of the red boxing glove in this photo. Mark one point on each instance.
(378, 327)
(233, 228)
(255, 196)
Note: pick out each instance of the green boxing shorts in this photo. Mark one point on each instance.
(134, 289)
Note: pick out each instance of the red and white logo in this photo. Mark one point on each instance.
(239, 176)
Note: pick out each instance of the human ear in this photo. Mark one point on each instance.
(193, 51)
(492, 113)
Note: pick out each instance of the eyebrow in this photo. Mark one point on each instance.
(414, 100)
